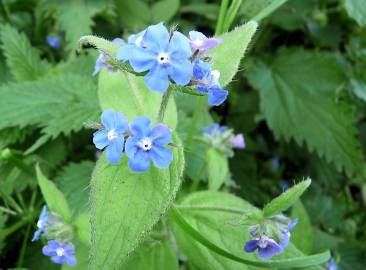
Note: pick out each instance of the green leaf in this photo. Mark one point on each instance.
(32, 103)
(302, 235)
(357, 10)
(82, 255)
(134, 15)
(83, 229)
(125, 205)
(127, 93)
(217, 167)
(286, 199)
(164, 10)
(23, 60)
(308, 112)
(76, 18)
(54, 198)
(226, 57)
(211, 219)
(259, 9)
(153, 254)
(73, 181)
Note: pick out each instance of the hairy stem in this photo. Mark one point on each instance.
(163, 105)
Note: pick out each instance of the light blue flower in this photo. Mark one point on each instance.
(165, 56)
(286, 234)
(147, 144)
(135, 40)
(112, 136)
(266, 246)
(53, 41)
(207, 81)
(102, 59)
(60, 253)
(41, 224)
(200, 42)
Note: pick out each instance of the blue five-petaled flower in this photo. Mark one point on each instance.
(266, 246)
(41, 224)
(112, 136)
(164, 55)
(60, 253)
(147, 144)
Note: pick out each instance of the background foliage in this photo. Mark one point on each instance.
(299, 98)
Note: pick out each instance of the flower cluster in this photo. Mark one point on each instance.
(58, 234)
(223, 139)
(271, 237)
(170, 56)
(138, 140)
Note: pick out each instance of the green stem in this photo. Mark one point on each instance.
(222, 15)
(24, 246)
(231, 14)
(163, 105)
(14, 227)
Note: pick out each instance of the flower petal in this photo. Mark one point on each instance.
(140, 162)
(156, 38)
(181, 72)
(131, 146)
(100, 139)
(194, 35)
(58, 259)
(161, 134)
(114, 120)
(124, 52)
(157, 79)
(115, 150)
(161, 156)
(142, 59)
(179, 47)
(251, 245)
(270, 250)
(36, 235)
(217, 95)
(285, 239)
(71, 260)
(50, 248)
(140, 126)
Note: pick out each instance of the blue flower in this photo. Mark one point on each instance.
(332, 265)
(147, 144)
(200, 42)
(207, 82)
(124, 53)
(214, 130)
(102, 59)
(286, 234)
(266, 246)
(164, 56)
(53, 41)
(41, 224)
(60, 253)
(112, 136)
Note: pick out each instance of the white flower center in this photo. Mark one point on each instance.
(263, 242)
(40, 224)
(198, 42)
(112, 134)
(60, 252)
(163, 58)
(216, 74)
(145, 144)
(138, 41)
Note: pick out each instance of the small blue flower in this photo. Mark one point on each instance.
(60, 253)
(164, 56)
(207, 82)
(200, 42)
(332, 265)
(215, 129)
(133, 41)
(41, 224)
(112, 136)
(147, 144)
(286, 234)
(102, 59)
(53, 41)
(266, 246)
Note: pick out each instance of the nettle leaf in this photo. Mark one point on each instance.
(125, 206)
(226, 57)
(23, 60)
(308, 112)
(127, 93)
(286, 199)
(217, 168)
(73, 181)
(59, 98)
(76, 18)
(205, 226)
(54, 198)
(153, 254)
(357, 10)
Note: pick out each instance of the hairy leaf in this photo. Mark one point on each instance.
(125, 205)
(217, 168)
(308, 112)
(22, 59)
(226, 57)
